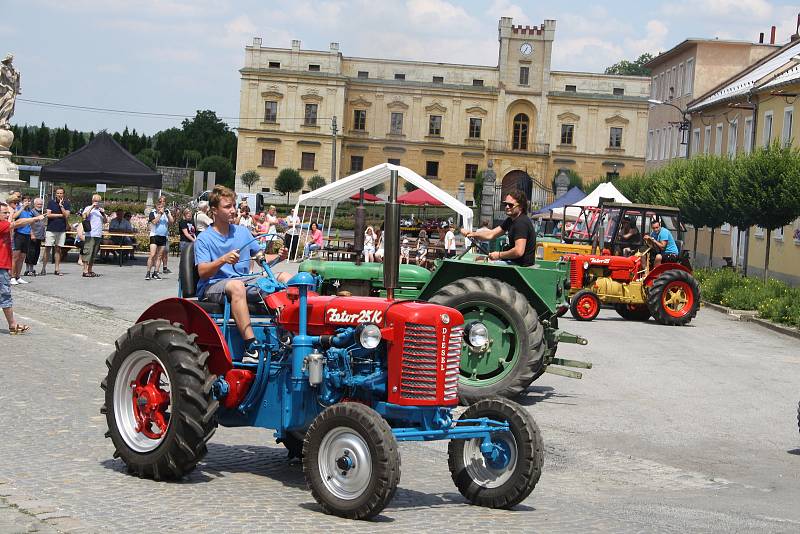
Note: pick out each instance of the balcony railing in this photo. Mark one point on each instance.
(507, 146)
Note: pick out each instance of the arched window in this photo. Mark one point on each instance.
(520, 138)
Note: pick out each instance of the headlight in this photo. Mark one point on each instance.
(368, 335)
(476, 335)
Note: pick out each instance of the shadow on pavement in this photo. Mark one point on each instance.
(536, 394)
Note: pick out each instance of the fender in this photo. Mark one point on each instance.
(661, 269)
(194, 319)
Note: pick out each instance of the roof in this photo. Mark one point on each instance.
(744, 82)
(418, 197)
(101, 161)
(570, 197)
(686, 43)
(606, 190)
(642, 207)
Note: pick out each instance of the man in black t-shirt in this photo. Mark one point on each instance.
(520, 230)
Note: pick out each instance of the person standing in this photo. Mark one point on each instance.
(201, 218)
(291, 238)
(186, 229)
(22, 238)
(159, 220)
(58, 211)
(422, 248)
(7, 225)
(272, 220)
(37, 238)
(244, 218)
(449, 242)
(96, 215)
(369, 244)
(520, 230)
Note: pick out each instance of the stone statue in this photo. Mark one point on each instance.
(487, 194)
(9, 89)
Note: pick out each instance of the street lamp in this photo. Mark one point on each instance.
(685, 124)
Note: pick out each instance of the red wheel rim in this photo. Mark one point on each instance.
(588, 306)
(150, 402)
(677, 299)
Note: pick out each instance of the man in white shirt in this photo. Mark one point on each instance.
(449, 242)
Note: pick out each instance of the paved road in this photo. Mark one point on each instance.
(674, 430)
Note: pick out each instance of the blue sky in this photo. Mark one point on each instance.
(178, 56)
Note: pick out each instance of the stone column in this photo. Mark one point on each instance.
(487, 195)
(9, 174)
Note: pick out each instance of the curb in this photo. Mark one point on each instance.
(751, 317)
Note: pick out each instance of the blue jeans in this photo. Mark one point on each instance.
(310, 247)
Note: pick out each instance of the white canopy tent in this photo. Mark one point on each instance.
(321, 203)
(605, 190)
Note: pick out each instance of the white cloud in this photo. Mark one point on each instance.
(504, 8)
(237, 32)
(439, 14)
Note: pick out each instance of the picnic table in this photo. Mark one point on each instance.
(121, 251)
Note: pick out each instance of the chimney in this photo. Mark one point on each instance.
(796, 35)
(257, 41)
(761, 38)
(334, 47)
(296, 44)
(772, 36)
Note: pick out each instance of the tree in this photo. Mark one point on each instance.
(146, 159)
(376, 189)
(315, 182)
(150, 153)
(766, 190)
(220, 165)
(42, 146)
(477, 189)
(209, 135)
(575, 179)
(191, 156)
(249, 179)
(288, 181)
(409, 187)
(631, 68)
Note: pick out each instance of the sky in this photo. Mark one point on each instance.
(177, 56)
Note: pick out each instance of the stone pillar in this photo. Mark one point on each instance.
(211, 181)
(197, 188)
(562, 183)
(487, 195)
(9, 174)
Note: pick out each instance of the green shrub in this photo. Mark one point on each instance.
(714, 283)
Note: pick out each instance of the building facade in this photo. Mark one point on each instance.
(679, 75)
(752, 109)
(444, 121)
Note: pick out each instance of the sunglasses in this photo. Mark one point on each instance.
(510, 205)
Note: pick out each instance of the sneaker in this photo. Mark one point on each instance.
(250, 356)
(147, 276)
(22, 281)
(156, 276)
(166, 271)
(13, 282)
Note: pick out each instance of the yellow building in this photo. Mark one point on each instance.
(445, 121)
(754, 108)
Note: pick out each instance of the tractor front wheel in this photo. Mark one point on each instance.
(633, 312)
(584, 305)
(158, 401)
(674, 298)
(507, 475)
(515, 355)
(351, 461)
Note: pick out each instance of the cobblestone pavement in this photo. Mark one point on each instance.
(673, 430)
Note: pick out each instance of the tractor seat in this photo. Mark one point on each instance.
(188, 277)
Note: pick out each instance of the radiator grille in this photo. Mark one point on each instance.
(575, 281)
(419, 372)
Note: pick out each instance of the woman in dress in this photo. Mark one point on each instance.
(369, 244)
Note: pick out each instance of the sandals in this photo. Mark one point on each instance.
(19, 328)
(90, 274)
(57, 273)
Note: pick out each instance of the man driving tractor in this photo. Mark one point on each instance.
(520, 230)
(663, 244)
(222, 255)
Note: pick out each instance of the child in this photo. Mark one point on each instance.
(405, 252)
(369, 244)
(422, 247)
(6, 227)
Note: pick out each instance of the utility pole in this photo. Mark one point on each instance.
(334, 130)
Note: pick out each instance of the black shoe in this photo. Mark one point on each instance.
(147, 276)
(156, 276)
(166, 271)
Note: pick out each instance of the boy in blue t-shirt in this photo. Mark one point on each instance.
(221, 254)
(663, 244)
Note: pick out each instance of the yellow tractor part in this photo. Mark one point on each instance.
(554, 251)
(612, 292)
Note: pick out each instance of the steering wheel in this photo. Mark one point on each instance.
(259, 258)
(480, 246)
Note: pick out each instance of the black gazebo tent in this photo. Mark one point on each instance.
(101, 161)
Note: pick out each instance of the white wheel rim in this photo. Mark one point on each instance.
(124, 414)
(480, 471)
(350, 483)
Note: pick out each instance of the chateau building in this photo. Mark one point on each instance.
(444, 121)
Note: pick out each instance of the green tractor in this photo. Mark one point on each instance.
(511, 314)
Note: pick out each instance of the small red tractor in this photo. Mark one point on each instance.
(669, 293)
(340, 380)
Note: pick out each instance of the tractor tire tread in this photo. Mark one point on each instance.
(657, 288)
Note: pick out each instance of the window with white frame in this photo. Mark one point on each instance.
(662, 144)
(786, 133)
(653, 87)
(777, 234)
(766, 135)
(748, 134)
(657, 145)
(673, 83)
(679, 83)
(706, 139)
(689, 85)
(718, 140)
(661, 85)
(733, 131)
(725, 228)
(760, 232)
(695, 140)
(650, 145)
(674, 142)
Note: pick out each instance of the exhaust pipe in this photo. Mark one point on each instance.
(391, 239)
(359, 228)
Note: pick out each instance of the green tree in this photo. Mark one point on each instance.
(249, 178)
(78, 140)
(146, 159)
(42, 145)
(575, 179)
(409, 187)
(169, 143)
(766, 190)
(289, 181)
(377, 189)
(209, 135)
(631, 68)
(150, 153)
(220, 165)
(315, 182)
(477, 189)
(191, 156)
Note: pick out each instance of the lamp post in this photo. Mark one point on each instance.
(685, 124)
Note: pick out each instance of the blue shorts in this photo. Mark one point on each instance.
(5, 289)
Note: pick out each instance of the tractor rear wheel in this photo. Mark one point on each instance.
(158, 401)
(674, 298)
(633, 312)
(351, 461)
(516, 353)
(585, 305)
(508, 479)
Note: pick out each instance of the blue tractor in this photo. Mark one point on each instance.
(340, 380)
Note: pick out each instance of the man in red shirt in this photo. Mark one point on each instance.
(6, 226)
